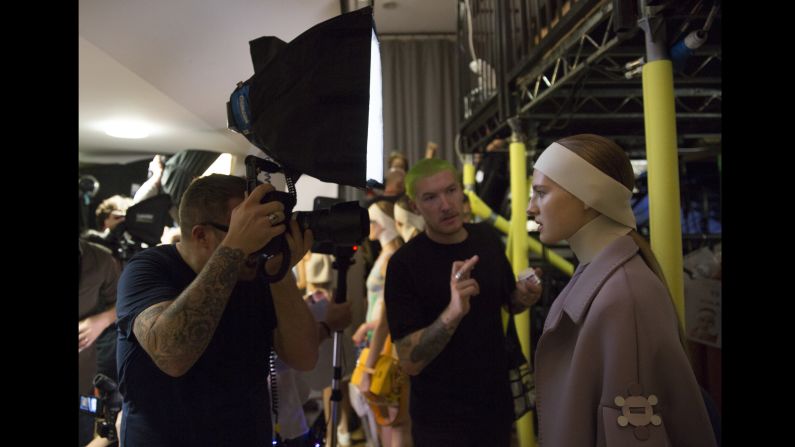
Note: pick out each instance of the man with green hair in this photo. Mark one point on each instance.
(444, 292)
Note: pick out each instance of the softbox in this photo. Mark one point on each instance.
(314, 104)
(181, 168)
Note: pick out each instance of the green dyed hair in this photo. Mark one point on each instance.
(426, 168)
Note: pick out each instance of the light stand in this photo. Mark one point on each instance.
(343, 258)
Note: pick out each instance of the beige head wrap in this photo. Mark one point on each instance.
(586, 182)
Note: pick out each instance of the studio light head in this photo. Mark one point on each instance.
(314, 104)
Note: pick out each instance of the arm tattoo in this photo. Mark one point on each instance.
(432, 340)
(176, 333)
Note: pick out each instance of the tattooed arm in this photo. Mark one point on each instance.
(419, 348)
(175, 333)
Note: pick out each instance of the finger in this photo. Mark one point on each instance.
(539, 272)
(469, 265)
(295, 232)
(467, 284)
(276, 230)
(272, 207)
(259, 192)
(274, 218)
(464, 269)
(309, 239)
(456, 267)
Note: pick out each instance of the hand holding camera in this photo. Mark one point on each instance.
(253, 224)
(299, 242)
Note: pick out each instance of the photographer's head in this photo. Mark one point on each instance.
(206, 219)
(208, 200)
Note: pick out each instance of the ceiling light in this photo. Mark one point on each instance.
(126, 129)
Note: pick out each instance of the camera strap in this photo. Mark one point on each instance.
(282, 247)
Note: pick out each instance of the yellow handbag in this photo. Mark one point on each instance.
(358, 372)
(384, 374)
(384, 382)
(388, 386)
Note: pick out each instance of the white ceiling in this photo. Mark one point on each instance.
(174, 63)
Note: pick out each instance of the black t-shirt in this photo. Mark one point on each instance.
(223, 399)
(467, 383)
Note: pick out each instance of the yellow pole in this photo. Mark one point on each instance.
(480, 209)
(518, 251)
(469, 173)
(663, 173)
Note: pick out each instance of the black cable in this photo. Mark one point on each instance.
(277, 439)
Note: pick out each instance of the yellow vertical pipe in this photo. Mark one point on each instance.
(663, 173)
(469, 173)
(518, 255)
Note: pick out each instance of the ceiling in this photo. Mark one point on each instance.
(174, 63)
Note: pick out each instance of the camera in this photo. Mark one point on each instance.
(142, 227)
(104, 407)
(333, 224)
(90, 405)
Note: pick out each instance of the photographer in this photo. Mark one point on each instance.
(196, 324)
(96, 335)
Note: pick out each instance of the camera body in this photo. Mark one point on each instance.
(104, 407)
(90, 405)
(332, 222)
(340, 224)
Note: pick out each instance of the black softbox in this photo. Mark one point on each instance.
(309, 101)
(181, 168)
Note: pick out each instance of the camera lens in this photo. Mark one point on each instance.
(343, 224)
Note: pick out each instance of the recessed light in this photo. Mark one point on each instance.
(127, 129)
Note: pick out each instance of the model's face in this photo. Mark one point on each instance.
(558, 213)
(375, 230)
(398, 163)
(406, 230)
(439, 199)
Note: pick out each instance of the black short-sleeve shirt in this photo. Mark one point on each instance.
(468, 381)
(223, 399)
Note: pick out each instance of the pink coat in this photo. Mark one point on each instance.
(610, 370)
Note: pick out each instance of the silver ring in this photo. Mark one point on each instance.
(458, 276)
(272, 218)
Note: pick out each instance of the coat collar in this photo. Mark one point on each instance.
(589, 278)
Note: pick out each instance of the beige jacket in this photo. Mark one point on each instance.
(610, 370)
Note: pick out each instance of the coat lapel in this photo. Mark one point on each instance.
(594, 276)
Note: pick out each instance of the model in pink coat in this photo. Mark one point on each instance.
(610, 366)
